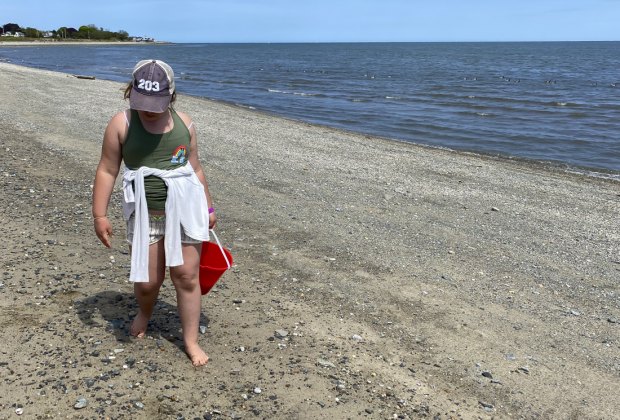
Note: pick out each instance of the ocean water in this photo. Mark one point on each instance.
(555, 102)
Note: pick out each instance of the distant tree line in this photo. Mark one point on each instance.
(84, 32)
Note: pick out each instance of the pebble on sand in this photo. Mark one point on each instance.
(81, 403)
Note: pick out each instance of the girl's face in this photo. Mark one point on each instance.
(152, 116)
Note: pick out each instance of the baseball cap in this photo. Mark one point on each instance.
(153, 86)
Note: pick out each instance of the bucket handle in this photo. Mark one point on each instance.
(221, 249)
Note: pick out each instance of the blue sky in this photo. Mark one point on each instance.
(330, 20)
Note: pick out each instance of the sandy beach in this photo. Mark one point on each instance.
(373, 279)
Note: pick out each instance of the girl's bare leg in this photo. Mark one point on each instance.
(146, 293)
(185, 279)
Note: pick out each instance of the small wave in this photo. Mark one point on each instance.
(563, 104)
(396, 98)
(186, 76)
(483, 114)
(594, 174)
(359, 100)
(228, 82)
(286, 92)
(307, 94)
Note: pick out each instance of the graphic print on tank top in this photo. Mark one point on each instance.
(179, 155)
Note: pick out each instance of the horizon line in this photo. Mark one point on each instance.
(379, 42)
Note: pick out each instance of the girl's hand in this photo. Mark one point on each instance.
(103, 229)
(212, 220)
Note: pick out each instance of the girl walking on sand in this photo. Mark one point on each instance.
(166, 200)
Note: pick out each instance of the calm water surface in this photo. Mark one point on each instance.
(554, 102)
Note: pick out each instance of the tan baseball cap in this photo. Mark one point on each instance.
(153, 86)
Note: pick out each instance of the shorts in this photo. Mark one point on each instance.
(157, 230)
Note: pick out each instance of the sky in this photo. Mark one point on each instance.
(329, 20)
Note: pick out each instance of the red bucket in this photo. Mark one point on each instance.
(214, 261)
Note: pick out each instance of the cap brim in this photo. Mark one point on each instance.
(148, 103)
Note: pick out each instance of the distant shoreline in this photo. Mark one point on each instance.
(76, 42)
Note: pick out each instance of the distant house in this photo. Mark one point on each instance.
(14, 34)
(142, 39)
(48, 34)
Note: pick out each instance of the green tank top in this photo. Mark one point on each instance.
(161, 151)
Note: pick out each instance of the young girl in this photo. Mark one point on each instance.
(166, 196)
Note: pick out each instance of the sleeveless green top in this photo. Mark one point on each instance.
(161, 151)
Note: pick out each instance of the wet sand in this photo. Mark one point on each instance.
(372, 278)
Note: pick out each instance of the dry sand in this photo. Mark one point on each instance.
(373, 279)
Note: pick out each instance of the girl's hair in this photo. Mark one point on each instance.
(127, 93)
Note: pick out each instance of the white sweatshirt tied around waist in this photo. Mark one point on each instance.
(186, 205)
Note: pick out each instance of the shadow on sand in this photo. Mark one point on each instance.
(118, 309)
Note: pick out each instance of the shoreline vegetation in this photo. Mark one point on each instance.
(372, 279)
(52, 42)
(86, 32)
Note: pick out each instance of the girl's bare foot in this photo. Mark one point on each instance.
(138, 325)
(197, 356)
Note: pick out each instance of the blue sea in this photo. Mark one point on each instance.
(556, 102)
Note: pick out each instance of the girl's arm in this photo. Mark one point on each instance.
(195, 162)
(105, 177)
